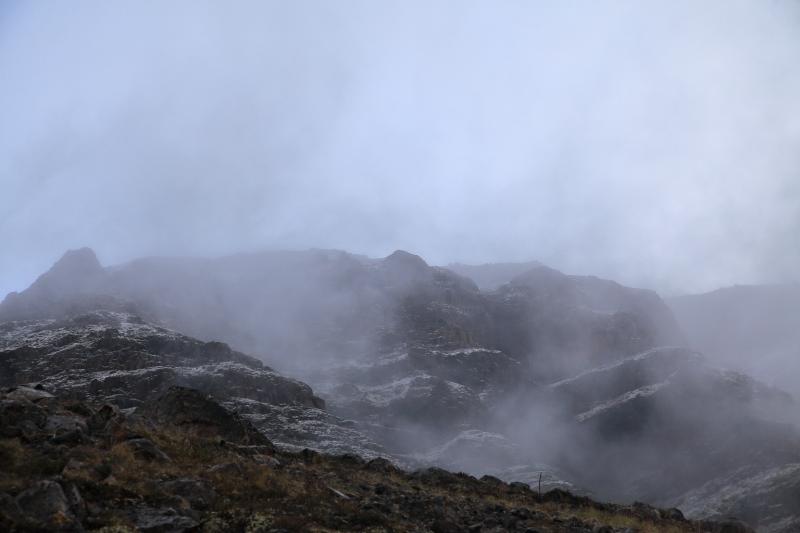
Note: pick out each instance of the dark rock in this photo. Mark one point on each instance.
(70, 438)
(60, 423)
(100, 419)
(46, 504)
(266, 460)
(192, 411)
(146, 450)
(309, 455)
(673, 514)
(10, 513)
(20, 417)
(729, 526)
(28, 393)
(445, 526)
(198, 493)
(226, 469)
(162, 520)
(380, 464)
(351, 459)
(435, 476)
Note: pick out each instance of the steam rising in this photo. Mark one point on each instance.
(656, 144)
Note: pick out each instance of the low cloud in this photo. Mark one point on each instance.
(654, 144)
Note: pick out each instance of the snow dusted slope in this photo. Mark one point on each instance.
(117, 357)
(767, 499)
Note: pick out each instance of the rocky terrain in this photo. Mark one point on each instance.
(182, 462)
(116, 357)
(579, 382)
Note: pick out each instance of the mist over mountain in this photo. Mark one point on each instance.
(640, 143)
(400, 266)
(582, 380)
(750, 327)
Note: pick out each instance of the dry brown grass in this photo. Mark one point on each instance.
(295, 497)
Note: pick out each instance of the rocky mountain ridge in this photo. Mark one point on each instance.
(563, 377)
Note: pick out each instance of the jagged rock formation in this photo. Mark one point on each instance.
(566, 324)
(194, 412)
(328, 306)
(117, 357)
(561, 376)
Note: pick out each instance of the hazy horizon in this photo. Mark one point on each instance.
(654, 144)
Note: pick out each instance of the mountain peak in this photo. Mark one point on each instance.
(406, 259)
(77, 271)
(81, 259)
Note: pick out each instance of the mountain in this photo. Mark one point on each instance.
(490, 276)
(109, 356)
(750, 327)
(578, 381)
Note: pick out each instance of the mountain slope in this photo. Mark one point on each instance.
(117, 357)
(750, 327)
(571, 378)
(183, 463)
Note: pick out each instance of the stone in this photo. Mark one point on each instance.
(28, 393)
(198, 493)
(195, 412)
(46, 505)
(163, 520)
(145, 449)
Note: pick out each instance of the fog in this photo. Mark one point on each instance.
(655, 144)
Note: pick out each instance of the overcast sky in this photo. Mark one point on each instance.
(656, 143)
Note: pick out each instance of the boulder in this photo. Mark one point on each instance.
(192, 411)
(146, 450)
(46, 505)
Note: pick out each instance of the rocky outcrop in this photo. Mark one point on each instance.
(75, 283)
(563, 324)
(327, 307)
(118, 358)
(105, 353)
(193, 412)
(140, 473)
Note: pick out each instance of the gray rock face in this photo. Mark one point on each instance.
(667, 403)
(767, 499)
(567, 324)
(327, 307)
(104, 352)
(116, 357)
(192, 411)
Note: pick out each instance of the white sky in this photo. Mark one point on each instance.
(656, 143)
